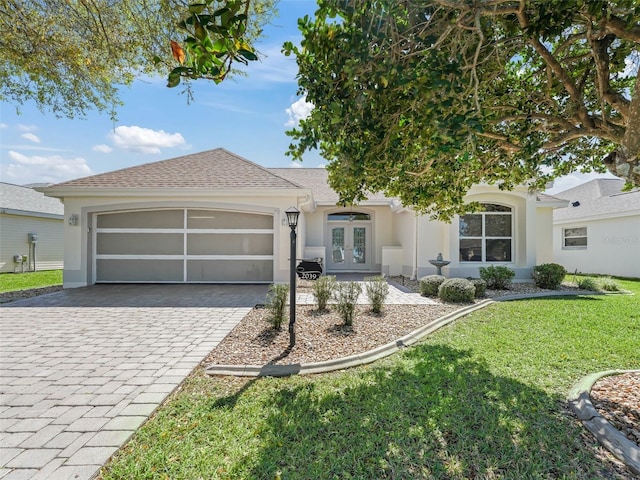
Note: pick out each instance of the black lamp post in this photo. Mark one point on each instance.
(292, 219)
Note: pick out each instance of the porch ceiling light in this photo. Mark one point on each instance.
(292, 216)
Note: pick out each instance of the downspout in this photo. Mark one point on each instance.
(414, 276)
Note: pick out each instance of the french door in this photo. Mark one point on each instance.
(349, 246)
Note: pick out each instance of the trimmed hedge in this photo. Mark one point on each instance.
(480, 285)
(549, 275)
(498, 277)
(457, 290)
(429, 285)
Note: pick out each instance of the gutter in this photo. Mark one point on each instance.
(25, 213)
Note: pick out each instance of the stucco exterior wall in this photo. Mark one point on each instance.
(544, 232)
(613, 247)
(13, 241)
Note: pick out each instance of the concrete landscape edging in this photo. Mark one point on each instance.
(345, 362)
(377, 353)
(610, 437)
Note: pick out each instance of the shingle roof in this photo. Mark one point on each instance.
(317, 180)
(24, 199)
(600, 197)
(545, 197)
(217, 168)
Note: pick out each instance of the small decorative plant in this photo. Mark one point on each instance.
(323, 290)
(498, 277)
(346, 295)
(549, 275)
(377, 290)
(429, 285)
(480, 286)
(457, 290)
(608, 284)
(588, 283)
(276, 304)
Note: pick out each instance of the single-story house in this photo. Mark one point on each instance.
(217, 217)
(31, 230)
(599, 231)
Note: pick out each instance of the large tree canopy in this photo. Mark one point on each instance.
(424, 98)
(71, 56)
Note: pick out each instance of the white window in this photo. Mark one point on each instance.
(486, 236)
(574, 238)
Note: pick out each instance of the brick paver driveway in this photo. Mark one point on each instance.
(82, 369)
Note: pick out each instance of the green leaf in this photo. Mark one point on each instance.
(249, 55)
(197, 8)
(174, 79)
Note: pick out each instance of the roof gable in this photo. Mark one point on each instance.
(218, 168)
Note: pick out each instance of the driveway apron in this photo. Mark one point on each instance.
(82, 369)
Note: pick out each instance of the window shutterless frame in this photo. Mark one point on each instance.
(574, 238)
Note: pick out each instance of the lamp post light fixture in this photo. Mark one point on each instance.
(292, 219)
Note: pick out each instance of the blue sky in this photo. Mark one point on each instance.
(246, 115)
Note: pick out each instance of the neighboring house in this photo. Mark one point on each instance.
(24, 211)
(599, 231)
(216, 217)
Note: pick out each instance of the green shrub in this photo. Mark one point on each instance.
(498, 277)
(429, 285)
(549, 275)
(608, 284)
(346, 295)
(377, 290)
(587, 283)
(480, 286)
(457, 290)
(276, 304)
(323, 291)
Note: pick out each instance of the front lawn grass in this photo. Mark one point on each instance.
(10, 282)
(482, 398)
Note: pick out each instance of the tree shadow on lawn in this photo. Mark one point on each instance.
(434, 414)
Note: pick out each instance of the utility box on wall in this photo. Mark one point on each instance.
(32, 237)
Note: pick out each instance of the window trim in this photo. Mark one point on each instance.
(483, 238)
(575, 247)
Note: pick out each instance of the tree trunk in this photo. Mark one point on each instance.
(625, 161)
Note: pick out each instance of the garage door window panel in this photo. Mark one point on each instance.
(143, 219)
(140, 244)
(209, 219)
(229, 244)
(229, 270)
(138, 270)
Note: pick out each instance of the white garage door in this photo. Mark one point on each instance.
(183, 245)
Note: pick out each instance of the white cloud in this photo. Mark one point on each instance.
(299, 110)
(4, 125)
(295, 165)
(573, 180)
(144, 140)
(23, 169)
(31, 137)
(102, 148)
(632, 65)
(27, 128)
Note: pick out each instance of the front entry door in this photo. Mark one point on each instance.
(349, 247)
